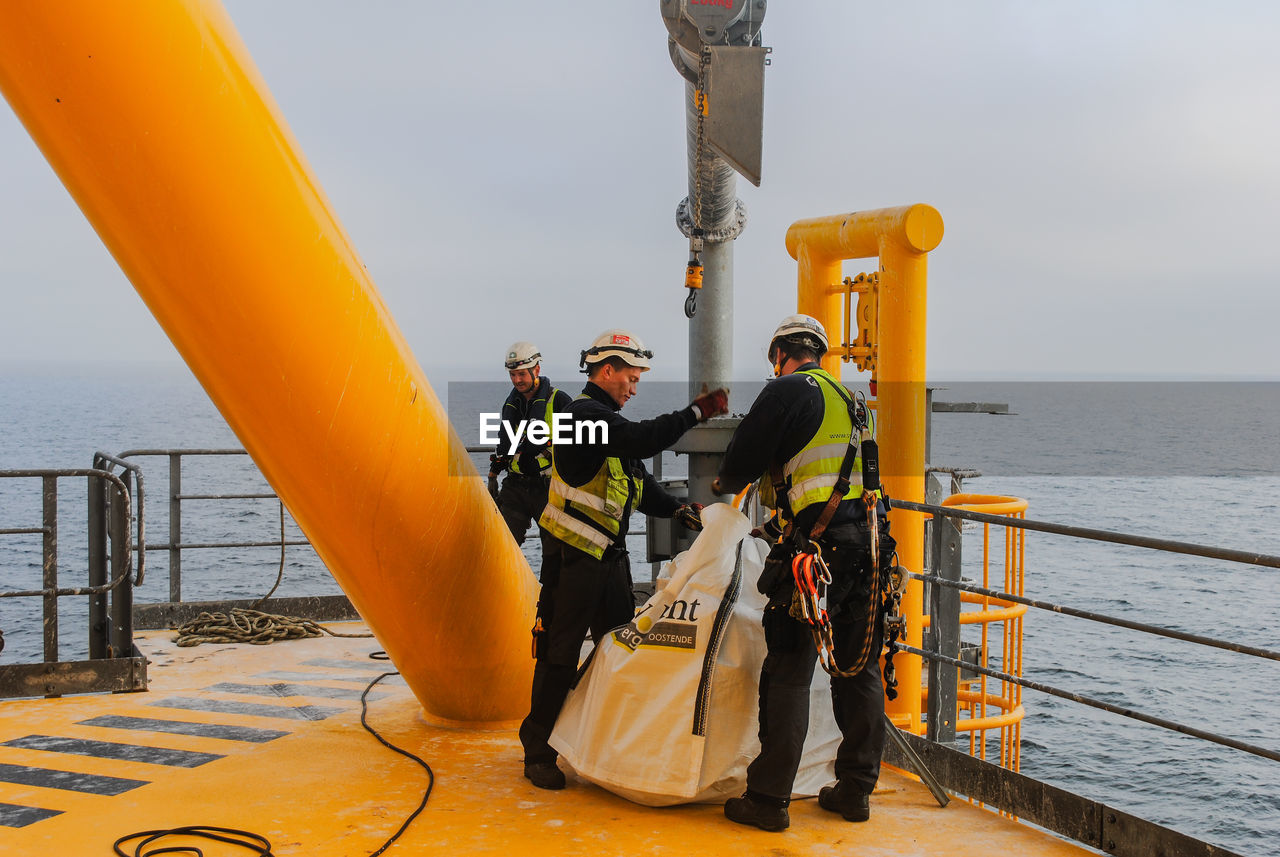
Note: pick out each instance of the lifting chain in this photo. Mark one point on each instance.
(693, 271)
(895, 624)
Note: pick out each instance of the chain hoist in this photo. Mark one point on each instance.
(701, 103)
(895, 624)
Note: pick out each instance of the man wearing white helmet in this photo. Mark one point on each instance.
(595, 486)
(809, 443)
(524, 491)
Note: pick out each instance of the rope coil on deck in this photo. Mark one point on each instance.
(241, 625)
(247, 625)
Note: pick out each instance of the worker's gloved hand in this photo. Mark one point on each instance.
(493, 486)
(711, 404)
(528, 462)
(690, 516)
(758, 533)
(498, 464)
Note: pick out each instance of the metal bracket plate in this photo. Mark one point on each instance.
(735, 123)
(100, 675)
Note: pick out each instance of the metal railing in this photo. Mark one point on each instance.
(1083, 819)
(176, 610)
(114, 664)
(175, 545)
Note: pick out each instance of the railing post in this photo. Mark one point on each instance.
(175, 527)
(50, 567)
(122, 595)
(98, 625)
(944, 622)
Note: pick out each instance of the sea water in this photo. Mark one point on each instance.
(1193, 462)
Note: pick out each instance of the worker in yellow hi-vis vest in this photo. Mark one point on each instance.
(811, 444)
(598, 479)
(533, 397)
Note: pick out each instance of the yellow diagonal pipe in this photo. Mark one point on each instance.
(901, 238)
(156, 120)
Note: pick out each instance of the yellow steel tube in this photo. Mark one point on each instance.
(860, 234)
(155, 118)
(974, 617)
(1012, 715)
(990, 504)
(901, 421)
(815, 297)
(901, 238)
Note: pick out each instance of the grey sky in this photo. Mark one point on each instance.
(1109, 175)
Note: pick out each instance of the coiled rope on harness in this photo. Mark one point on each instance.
(808, 605)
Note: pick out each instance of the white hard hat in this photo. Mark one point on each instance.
(616, 342)
(522, 355)
(801, 330)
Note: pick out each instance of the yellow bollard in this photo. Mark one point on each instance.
(156, 120)
(901, 238)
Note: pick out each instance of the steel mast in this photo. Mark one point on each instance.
(716, 48)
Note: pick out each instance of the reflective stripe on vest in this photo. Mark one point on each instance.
(574, 532)
(812, 473)
(544, 457)
(589, 517)
(584, 498)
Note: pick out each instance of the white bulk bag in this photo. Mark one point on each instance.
(666, 710)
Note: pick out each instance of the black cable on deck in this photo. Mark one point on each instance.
(431, 777)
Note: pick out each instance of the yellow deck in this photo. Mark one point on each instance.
(315, 783)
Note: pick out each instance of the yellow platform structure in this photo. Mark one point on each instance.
(273, 744)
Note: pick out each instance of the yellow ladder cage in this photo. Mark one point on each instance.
(983, 703)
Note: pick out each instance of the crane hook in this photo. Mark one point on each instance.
(692, 282)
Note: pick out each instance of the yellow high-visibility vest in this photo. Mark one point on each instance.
(811, 474)
(544, 457)
(589, 516)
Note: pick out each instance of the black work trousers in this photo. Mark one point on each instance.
(521, 501)
(787, 674)
(586, 594)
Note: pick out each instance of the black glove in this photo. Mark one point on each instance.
(690, 516)
(529, 461)
(711, 404)
(493, 487)
(497, 464)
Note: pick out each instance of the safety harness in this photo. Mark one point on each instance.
(810, 571)
(543, 458)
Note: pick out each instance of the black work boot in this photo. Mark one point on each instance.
(745, 810)
(841, 798)
(544, 775)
